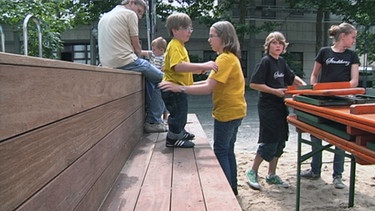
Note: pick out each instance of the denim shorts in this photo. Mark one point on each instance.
(270, 150)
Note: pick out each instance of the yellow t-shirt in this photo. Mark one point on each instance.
(228, 95)
(175, 54)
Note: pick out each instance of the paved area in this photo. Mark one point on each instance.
(247, 136)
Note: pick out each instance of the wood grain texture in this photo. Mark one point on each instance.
(66, 130)
(34, 96)
(160, 178)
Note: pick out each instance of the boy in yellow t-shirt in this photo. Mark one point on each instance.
(179, 70)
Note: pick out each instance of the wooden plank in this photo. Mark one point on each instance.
(22, 60)
(218, 194)
(108, 181)
(363, 139)
(35, 96)
(125, 192)
(322, 100)
(339, 114)
(156, 189)
(328, 92)
(66, 190)
(355, 131)
(313, 118)
(31, 160)
(329, 126)
(186, 186)
(360, 152)
(331, 85)
(368, 108)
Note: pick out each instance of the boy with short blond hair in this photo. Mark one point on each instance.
(179, 70)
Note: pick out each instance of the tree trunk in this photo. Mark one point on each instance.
(319, 29)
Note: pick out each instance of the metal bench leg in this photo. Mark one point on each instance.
(352, 181)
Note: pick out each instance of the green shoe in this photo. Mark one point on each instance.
(252, 178)
(276, 180)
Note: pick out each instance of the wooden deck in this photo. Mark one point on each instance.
(67, 130)
(160, 178)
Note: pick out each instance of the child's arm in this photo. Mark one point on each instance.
(204, 88)
(354, 75)
(298, 81)
(146, 53)
(280, 92)
(197, 68)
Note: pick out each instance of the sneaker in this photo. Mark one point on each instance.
(252, 179)
(309, 174)
(188, 136)
(155, 128)
(181, 143)
(235, 191)
(337, 182)
(276, 180)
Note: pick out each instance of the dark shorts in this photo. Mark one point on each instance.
(270, 150)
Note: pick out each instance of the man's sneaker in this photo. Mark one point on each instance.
(155, 128)
(337, 182)
(276, 180)
(235, 191)
(252, 179)
(181, 143)
(309, 174)
(188, 136)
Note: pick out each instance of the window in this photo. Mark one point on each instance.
(78, 53)
(268, 10)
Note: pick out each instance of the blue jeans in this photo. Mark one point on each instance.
(225, 136)
(316, 163)
(177, 105)
(154, 102)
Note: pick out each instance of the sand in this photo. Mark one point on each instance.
(315, 194)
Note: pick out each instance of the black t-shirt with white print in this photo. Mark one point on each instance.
(274, 73)
(336, 67)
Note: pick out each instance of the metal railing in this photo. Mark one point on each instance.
(2, 39)
(25, 39)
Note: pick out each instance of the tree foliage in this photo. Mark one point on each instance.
(55, 17)
(357, 12)
(207, 13)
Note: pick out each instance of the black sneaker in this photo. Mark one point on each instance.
(181, 143)
(188, 136)
(235, 191)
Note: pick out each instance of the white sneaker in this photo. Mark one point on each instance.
(155, 128)
(337, 182)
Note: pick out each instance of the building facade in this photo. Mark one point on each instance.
(80, 44)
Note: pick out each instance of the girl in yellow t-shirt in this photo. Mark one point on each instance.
(227, 86)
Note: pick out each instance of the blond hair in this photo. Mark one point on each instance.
(335, 30)
(159, 42)
(278, 36)
(177, 21)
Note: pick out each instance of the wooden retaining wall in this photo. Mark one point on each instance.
(66, 131)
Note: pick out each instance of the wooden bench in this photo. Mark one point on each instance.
(160, 178)
(67, 130)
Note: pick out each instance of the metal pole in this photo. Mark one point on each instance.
(2, 39)
(148, 25)
(36, 21)
(153, 18)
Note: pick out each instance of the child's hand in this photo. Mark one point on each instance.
(210, 65)
(280, 92)
(169, 86)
